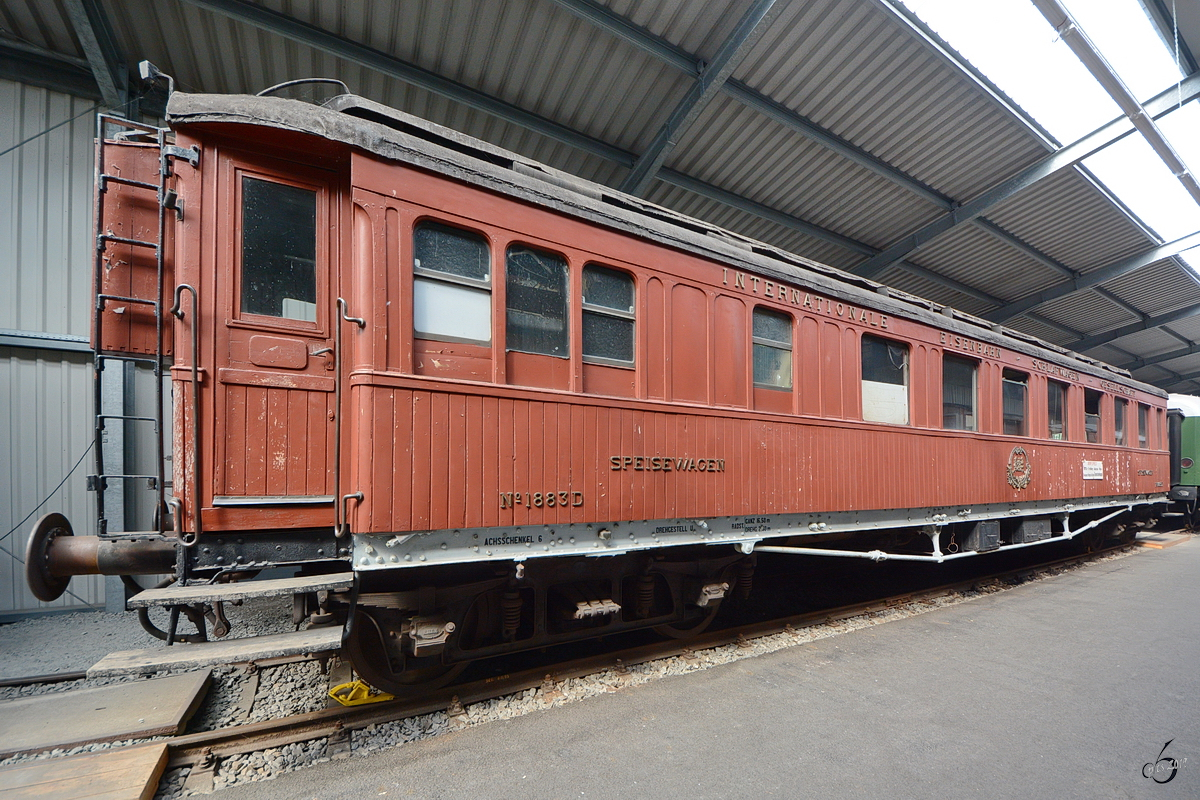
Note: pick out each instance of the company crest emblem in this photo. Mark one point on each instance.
(1019, 469)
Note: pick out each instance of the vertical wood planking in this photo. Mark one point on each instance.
(439, 461)
(421, 477)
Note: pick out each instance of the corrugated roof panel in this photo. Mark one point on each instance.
(853, 68)
(41, 24)
(698, 28)
(1035, 327)
(1065, 217)
(1188, 328)
(778, 167)
(1086, 312)
(975, 257)
(921, 286)
(750, 225)
(1147, 342)
(1157, 288)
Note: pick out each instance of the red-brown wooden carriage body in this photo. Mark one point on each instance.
(444, 435)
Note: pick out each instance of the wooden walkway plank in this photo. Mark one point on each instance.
(134, 710)
(207, 593)
(123, 773)
(208, 654)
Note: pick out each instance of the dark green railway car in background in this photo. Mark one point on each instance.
(1183, 437)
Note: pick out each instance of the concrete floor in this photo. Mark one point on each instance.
(1061, 688)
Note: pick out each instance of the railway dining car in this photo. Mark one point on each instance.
(480, 405)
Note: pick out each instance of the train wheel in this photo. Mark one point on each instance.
(1097, 538)
(691, 627)
(406, 676)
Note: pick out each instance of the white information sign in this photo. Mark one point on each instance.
(1093, 470)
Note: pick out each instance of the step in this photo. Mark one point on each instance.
(177, 595)
(211, 654)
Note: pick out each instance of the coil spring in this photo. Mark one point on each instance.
(645, 595)
(510, 606)
(745, 578)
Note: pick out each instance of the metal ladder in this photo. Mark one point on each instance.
(164, 199)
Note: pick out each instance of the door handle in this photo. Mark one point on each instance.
(330, 361)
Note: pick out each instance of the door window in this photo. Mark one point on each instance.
(279, 250)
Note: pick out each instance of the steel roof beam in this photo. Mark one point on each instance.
(1097, 140)
(1095, 277)
(1075, 38)
(99, 44)
(743, 37)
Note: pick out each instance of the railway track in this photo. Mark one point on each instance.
(203, 751)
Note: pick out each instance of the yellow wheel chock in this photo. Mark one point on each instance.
(357, 693)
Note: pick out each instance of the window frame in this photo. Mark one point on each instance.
(1024, 384)
(238, 170)
(1098, 396)
(974, 363)
(607, 311)
(1120, 407)
(483, 286)
(907, 372)
(773, 344)
(1066, 416)
(566, 299)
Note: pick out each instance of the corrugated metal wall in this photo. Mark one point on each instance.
(45, 408)
(45, 287)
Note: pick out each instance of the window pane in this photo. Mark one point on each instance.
(537, 302)
(958, 393)
(1143, 414)
(608, 288)
(1015, 392)
(1056, 406)
(772, 367)
(279, 250)
(1091, 415)
(884, 381)
(607, 337)
(1119, 421)
(773, 327)
(448, 312)
(440, 248)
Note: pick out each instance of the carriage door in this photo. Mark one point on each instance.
(274, 345)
